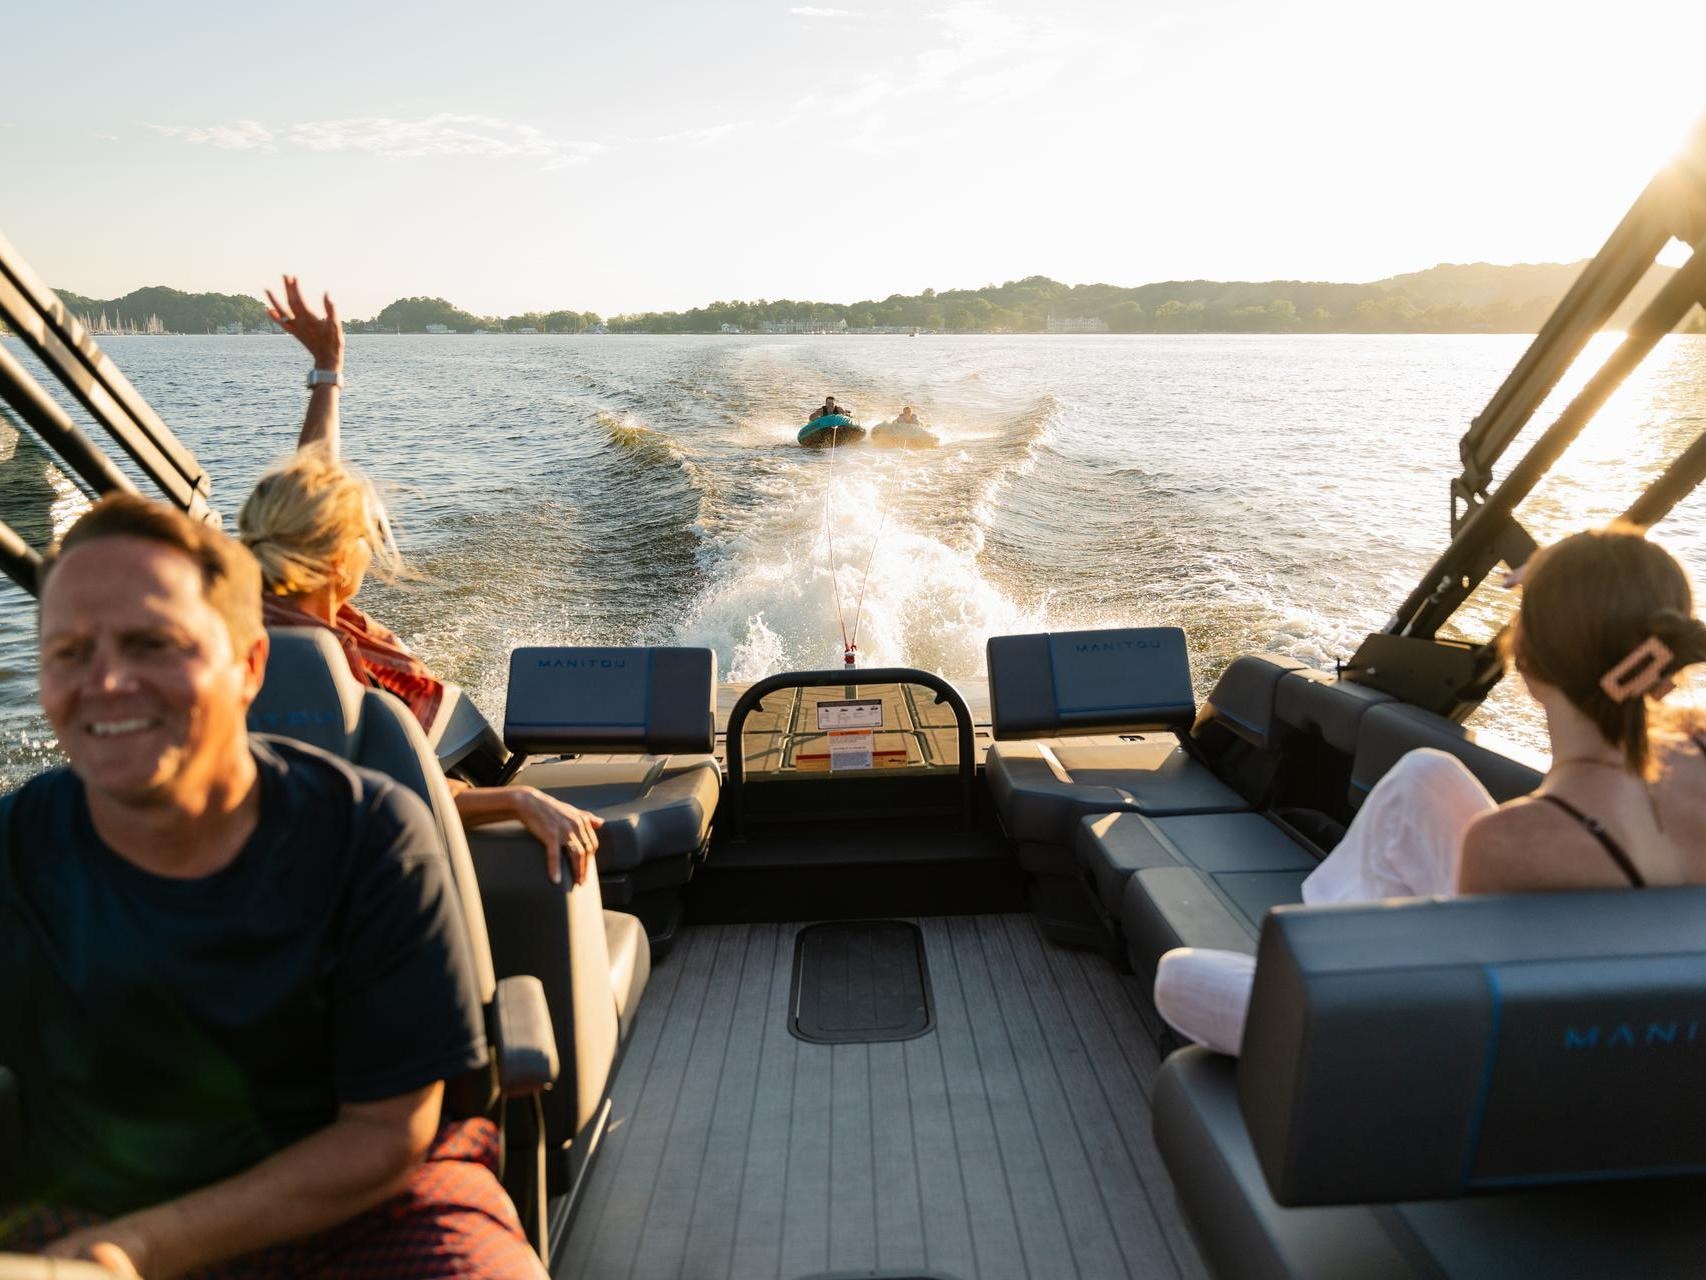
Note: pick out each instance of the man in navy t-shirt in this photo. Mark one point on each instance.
(233, 978)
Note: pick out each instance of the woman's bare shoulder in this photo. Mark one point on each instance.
(1521, 846)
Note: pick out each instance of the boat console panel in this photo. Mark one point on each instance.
(565, 699)
(1124, 680)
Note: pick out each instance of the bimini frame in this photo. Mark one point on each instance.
(71, 355)
(1406, 658)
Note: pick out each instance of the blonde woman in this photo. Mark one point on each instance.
(317, 528)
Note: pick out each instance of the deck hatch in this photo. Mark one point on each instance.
(860, 981)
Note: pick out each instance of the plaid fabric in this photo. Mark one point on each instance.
(375, 654)
(454, 1222)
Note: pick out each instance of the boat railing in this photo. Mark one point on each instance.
(753, 697)
(71, 355)
(1406, 658)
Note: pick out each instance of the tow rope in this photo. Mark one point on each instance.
(849, 642)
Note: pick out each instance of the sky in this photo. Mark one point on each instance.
(641, 156)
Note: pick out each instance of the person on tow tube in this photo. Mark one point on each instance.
(829, 410)
(236, 975)
(317, 528)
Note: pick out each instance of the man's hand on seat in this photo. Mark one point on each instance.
(95, 1244)
(559, 827)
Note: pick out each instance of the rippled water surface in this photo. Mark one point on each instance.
(1266, 493)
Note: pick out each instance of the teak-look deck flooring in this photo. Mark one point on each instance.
(1012, 1140)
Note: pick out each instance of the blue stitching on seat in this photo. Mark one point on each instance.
(1472, 1147)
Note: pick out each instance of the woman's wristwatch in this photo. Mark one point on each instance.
(324, 378)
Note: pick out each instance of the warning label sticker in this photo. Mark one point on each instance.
(855, 713)
(850, 748)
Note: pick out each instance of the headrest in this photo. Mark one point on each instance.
(1391, 729)
(310, 693)
(656, 701)
(1316, 702)
(1428, 1048)
(1243, 697)
(1129, 679)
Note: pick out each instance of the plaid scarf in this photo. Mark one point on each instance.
(376, 655)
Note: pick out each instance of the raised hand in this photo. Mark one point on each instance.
(322, 335)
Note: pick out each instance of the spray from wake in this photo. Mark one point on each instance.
(909, 594)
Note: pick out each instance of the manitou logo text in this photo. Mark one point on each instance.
(1631, 1035)
(584, 664)
(1115, 646)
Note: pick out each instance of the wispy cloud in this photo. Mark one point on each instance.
(245, 135)
(103, 137)
(706, 136)
(811, 11)
(444, 134)
(976, 53)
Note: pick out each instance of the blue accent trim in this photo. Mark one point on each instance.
(646, 708)
(1472, 1148)
(1224, 714)
(1362, 786)
(1053, 678)
(1519, 1180)
(578, 724)
(1121, 706)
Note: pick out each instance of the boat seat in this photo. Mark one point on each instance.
(1044, 789)
(654, 708)
(1047, 690)
(1245, 860)
(653, 807)
(311, 696)
(630, 965)
(1317, 702)
(1392, 729)
(1486, 1086)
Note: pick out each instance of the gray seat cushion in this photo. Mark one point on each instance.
(1389, 731)
(630, 964)
(1043, 789)
(653, 808)
(1649, 1229)
(1240, 852)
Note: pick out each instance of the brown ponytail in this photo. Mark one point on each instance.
(1589, 602)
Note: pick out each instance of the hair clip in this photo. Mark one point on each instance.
(1641, 673)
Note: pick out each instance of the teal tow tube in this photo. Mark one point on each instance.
(831, 429)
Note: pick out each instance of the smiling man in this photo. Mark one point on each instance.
(234, 978)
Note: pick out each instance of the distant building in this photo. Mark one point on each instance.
(726, 327)
(439, 328)
(527, 328)
(1076, 324)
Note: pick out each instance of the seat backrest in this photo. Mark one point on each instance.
(1389, 730)
(1317, 702)
(311, 695)
(1058, 684)
(631, 701)
(1244, 698)
(1429, 1048)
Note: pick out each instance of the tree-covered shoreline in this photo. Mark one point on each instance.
(1450, 298)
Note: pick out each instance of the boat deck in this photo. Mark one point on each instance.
(1011, 1140)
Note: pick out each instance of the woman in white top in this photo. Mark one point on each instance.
(1607, 620)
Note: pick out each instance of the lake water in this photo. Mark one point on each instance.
(1268, 494)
